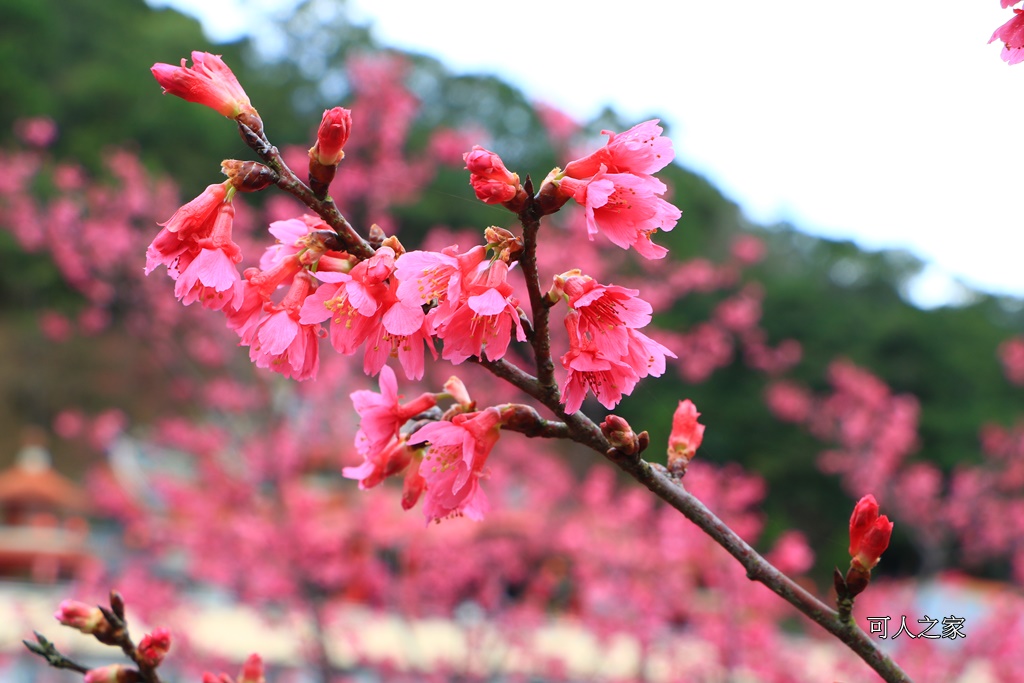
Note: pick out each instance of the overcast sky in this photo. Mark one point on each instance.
(889, 123)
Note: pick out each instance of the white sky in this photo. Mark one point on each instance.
(885, 122)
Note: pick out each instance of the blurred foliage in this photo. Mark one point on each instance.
(86, 65)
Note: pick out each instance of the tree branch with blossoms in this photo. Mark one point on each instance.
(323, 279)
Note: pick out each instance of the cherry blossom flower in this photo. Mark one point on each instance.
(640, 150)
(281, 342)
(480, 321)
(190, 223)
(379, 463)
(626, 208)
(207, 273)
(79, 615)
(1012, 35)
(352, 301)
(113, 673)
(609, 378)
(381, 415)
(454, 463)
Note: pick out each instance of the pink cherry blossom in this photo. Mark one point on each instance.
(281, 342)
(381, 415)
(492, 182)
(154, 646)
(1012, 35)
(609, 378)
(209, 274)
(352, 301)
(190, 223)
(480, 323)
(454, 463)
(624, 207)
(640, 150)
(379, 463)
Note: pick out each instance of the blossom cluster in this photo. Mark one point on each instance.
(399, 304)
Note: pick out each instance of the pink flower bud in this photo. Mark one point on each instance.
(455, 388)
(114, 673)
(869, 533)
(85, 618)
(332, 136)
(252, 670)
(154, 647)
(620, 435)
(211, 83)
(492, 182)
(686, 437)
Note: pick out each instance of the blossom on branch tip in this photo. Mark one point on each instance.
(154, 647)
(869, 533)
(113, 673)
(332, 136)
(79, 615)
(211, 83)
(685, 438)
(252, 670)
(491, 181)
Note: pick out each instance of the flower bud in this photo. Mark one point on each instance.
(869, 533)
(686, 437)
(491, 181)
(252, 670)
(620, 435)
(79, 615)
(154, 646)
(248, 176)
(113, 673)
(332, 136)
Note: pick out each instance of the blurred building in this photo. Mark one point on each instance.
(43, 529)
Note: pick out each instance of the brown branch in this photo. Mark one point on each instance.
(582, 430)
(289, 182)
(540, 338)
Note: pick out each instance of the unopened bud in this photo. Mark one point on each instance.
(248, 176)
(79, 615)
(252, 670)
(114, 673)
(620, 435)
(455, 388)
(686, 437)
(332, 136)
(154, 647)
(491, 181)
